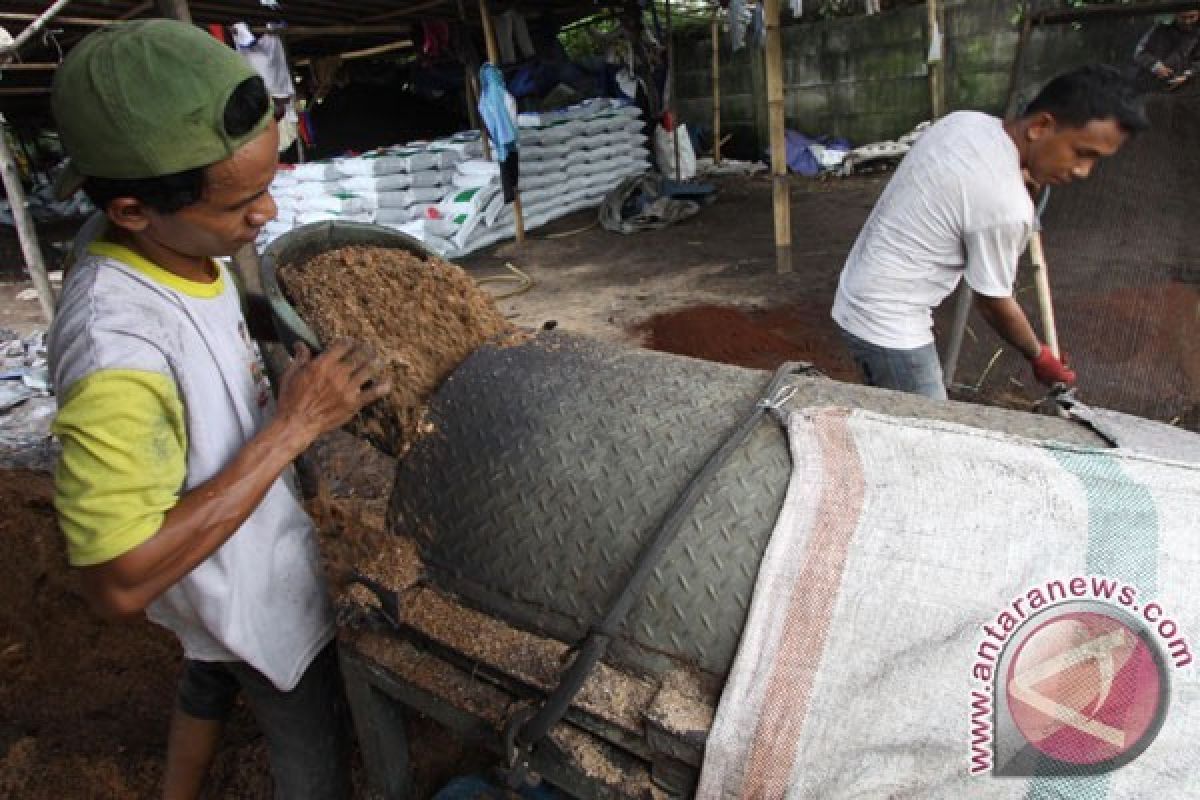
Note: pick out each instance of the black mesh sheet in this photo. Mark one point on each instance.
(1124, 267)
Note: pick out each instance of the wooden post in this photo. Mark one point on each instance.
(937, 100)
(716, 85)
(781, 195)
(26, 232)
(471, 91)
(670, 104)
(175, 9)
(489, 37)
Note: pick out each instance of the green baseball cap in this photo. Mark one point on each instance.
(146, 98)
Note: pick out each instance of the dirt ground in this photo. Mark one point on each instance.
(84, 704)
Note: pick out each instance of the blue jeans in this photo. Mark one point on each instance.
(307, 729)
(916, 371)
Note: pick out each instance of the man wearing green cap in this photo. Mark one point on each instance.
(173, 489)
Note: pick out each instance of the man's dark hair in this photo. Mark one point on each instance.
(167, 194)
(1089, 93)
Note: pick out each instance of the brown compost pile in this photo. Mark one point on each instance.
(422, 317)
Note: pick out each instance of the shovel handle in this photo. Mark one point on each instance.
(1041, 280)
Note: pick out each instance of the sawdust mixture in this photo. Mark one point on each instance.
(422, 316)
(84, 705)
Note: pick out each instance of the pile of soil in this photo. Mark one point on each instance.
(758, 339)
(84, 704)
(422, 316)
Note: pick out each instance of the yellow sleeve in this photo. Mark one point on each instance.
(123, 463)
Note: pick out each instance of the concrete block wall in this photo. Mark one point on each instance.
(865, 78)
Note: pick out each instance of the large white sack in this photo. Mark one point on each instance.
(478, 167)
(403, 198)
(308, 217)
(473, 180)
(315, 171)
(338, 203)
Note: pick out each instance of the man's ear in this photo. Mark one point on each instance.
(128, 213)
(1041, 125)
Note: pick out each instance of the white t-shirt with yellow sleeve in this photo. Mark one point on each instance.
(159, 387)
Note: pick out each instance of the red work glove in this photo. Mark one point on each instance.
(1050, 370)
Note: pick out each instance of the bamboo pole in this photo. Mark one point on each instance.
(26, 232)
(34, 27)
(366, 52)
(962, 313)
(332, 30)
(489, 37)
(716, 86)
(471, 90)
(83, 22)
(781, 195)
(670, 104)
(937, 101)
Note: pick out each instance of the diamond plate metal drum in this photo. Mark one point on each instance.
(553, 462)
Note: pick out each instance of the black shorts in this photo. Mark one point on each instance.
(307, 728)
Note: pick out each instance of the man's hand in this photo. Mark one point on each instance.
(317, 395)
(1048, 369)
(1179, 80)
(1161, 70)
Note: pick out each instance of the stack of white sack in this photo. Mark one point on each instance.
(446, 195)
(387, 186)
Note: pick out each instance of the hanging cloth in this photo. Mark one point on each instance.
(498, 110)
(266, 55)
(737, 24)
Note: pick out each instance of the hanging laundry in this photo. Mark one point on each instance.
(512, 34)
(499, 112)
(266, 55)
(217, 31)
(758, 28)
(798, 8)
(737, 24)
(872, 7)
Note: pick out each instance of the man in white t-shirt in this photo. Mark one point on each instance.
(958, 206)
(174, 489)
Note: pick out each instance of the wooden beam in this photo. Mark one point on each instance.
(175, 9)
(26, 232)
(367, 52)
(140, 8)
(333, 30)
(1065, 16)
(489, 36)
(23, 90)
(781, 193)
(31, 66)
(86, 22)
(412, 8)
